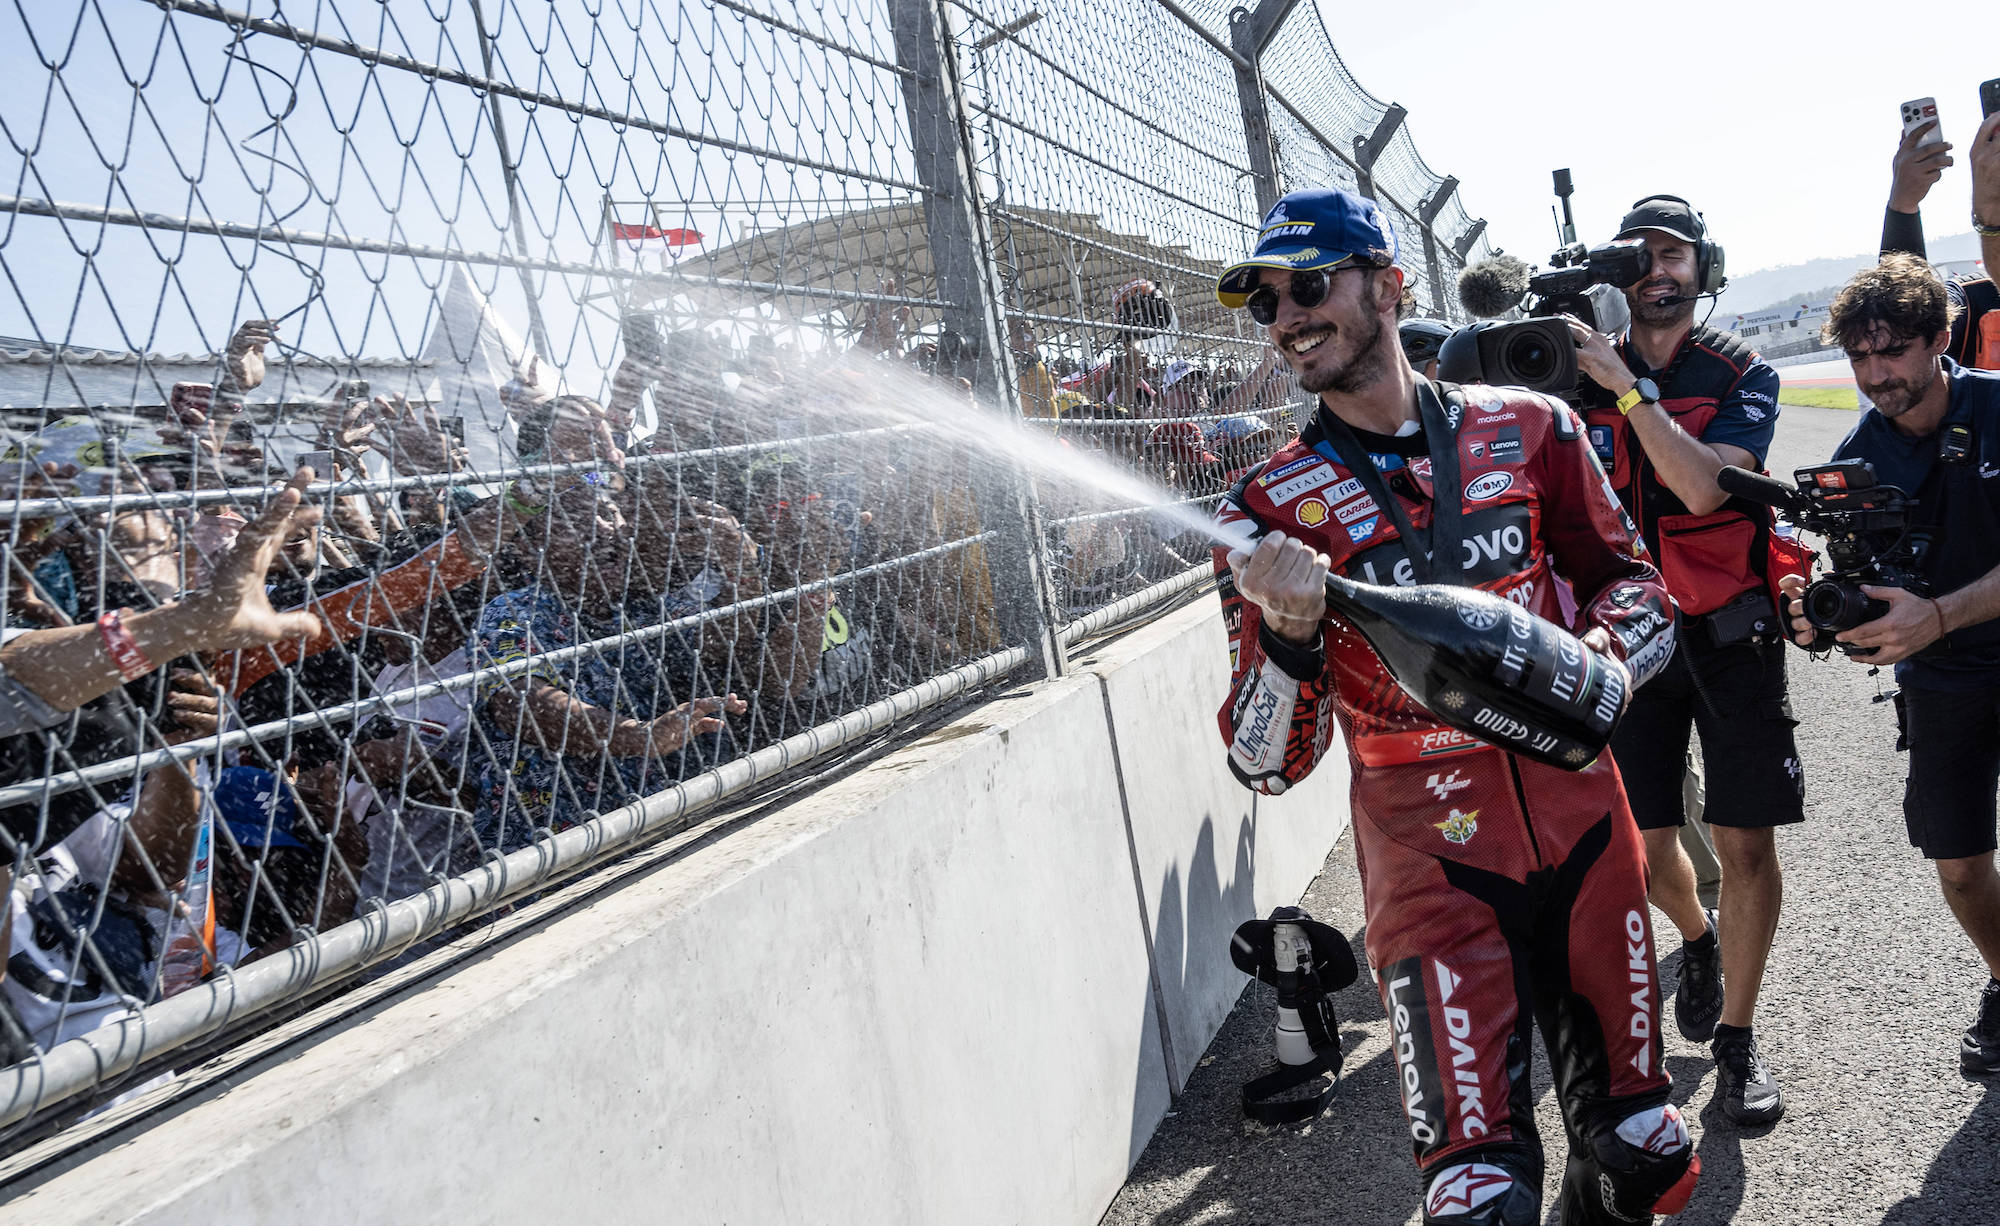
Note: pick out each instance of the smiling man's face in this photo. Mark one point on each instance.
(1673, 276)
(1338, 345)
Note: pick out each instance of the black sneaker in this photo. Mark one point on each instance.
(1979, 1050)
(1698, 996)
(1746, 1089)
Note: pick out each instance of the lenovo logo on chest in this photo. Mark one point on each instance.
(1497, 542)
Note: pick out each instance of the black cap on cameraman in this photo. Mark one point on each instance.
(1668, 214)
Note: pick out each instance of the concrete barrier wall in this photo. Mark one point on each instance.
(960, 985)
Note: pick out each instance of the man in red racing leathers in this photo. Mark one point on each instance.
(1499, 891)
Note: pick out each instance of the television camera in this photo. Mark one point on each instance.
(1538, 352)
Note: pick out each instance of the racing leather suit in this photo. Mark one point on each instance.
(1498, 890)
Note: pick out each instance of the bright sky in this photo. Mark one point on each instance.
(1776, 120)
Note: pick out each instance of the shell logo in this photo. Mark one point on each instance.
(1312, 512)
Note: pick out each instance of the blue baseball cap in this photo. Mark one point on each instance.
(254, 802)
(1319, 227)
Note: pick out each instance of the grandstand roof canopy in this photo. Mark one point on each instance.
(1064, 267)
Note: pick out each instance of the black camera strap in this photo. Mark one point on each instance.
(1445, 536)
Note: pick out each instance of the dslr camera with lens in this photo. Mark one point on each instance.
(1538, 352)
(1869, 539)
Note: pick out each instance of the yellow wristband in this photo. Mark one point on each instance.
(1629, 401)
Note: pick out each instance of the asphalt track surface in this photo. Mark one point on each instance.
(1869, 986)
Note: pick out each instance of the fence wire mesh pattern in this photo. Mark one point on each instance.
(629, 347)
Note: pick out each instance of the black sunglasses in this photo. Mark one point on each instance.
(1308, 289)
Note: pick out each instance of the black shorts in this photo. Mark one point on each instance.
(1954, 770)
(1750, 759)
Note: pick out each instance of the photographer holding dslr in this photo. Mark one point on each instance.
(1935, 433)
(1667, 405)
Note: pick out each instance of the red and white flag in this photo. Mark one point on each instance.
(641, 239)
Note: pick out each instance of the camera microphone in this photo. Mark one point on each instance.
(1493, 286)
(1742, 483)
(1677, 299)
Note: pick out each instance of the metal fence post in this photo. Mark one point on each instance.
(968, 285)
(1370, 147)
(1250, 31)
(1427, 215)
(1465, 241)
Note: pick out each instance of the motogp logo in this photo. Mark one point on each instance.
(1445, 785)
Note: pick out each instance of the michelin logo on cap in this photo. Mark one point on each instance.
(1279, 224)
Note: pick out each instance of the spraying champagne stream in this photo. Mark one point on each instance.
(1476, 661)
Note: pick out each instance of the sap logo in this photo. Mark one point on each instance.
(1639, 971)
(1459, 828)
(1488, 486)
(1363, 530)
(1407, 1013)
(1304, 483)
(1444, 786)
(1464, 1059)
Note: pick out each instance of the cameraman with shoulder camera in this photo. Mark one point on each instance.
(1667, 405)
(1935, 433)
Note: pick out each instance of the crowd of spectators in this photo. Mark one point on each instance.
(426, 668)
(1188, 426)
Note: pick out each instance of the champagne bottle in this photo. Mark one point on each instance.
(1488, 667)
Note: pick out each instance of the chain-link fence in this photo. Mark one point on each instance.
(633, 350)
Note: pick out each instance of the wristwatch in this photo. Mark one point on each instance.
(1643, 390)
